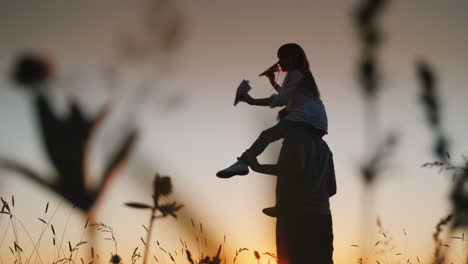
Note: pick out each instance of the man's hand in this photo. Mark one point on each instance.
(250, 160)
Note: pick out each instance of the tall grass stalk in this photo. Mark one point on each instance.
(148, 235)
(162, 186)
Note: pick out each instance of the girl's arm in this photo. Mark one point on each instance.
(271, 78)
(292, 81)
(281, 99)
(259, 101)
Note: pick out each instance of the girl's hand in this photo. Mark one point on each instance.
(270, 75)
(247, 98)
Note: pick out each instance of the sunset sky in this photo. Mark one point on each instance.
(181, 101)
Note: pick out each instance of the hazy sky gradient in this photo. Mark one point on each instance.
(225, 42)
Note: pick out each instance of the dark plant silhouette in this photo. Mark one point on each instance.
(32, 70)
(75, 253)
(459, 200)
(439, 256)
(366, 21)
(431, 104)
(162, 187)
(115, 259)
(374, 165)
(209, 260)
(65, 139)
(101, 227)
(365, 17)
(458, 195)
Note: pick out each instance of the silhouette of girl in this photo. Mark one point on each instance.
(305, 170)
(299, 93)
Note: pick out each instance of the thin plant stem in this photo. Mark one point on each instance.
(87, 219)
(367, 213)
(30, 238)
(466, 247)
(371, 122)
(44, 230)
(92, 241)
(368, 194)
(148, 236)
(63, 234)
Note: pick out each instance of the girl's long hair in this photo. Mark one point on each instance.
(300, 62)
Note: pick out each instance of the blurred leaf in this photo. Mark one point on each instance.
(374, 165)
(138, 205)
(121, 155)
(22, 169)
(170, 209)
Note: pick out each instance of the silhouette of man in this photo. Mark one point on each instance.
(306, 180)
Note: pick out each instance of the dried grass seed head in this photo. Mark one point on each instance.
(31, 69)
(115, 259)
(162, 186)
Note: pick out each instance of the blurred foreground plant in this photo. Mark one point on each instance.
(66, 139)
(162, 186)
(431, 104)
(459, 200)
(459, 192)
(366, 16)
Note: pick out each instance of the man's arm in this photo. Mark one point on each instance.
(271, 169)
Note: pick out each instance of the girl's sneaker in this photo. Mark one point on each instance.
(238, 168)
(271, 211)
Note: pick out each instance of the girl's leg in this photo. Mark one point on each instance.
(268, 136)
